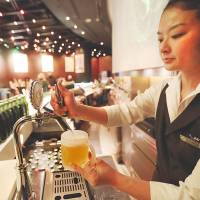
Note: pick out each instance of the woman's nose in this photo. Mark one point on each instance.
(165, 47)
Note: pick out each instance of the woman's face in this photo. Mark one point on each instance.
(179, 39)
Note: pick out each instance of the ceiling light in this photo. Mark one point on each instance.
(59, 36)
(12, 38)
(75, 26)
(38, 35)
(66, 40)
(22, 12)
(33, 20)
(73, 43)
(53, 45)
(69, 46)
(47, 39)
(1, 14)
(27, 29)
(55, 42)
(12, 31)
(49, 50)
(52, 33)
(104, 54)
(88, 20)
(44, 43)
(43, 27)
(101, 43)
(35, 45)
(78, 45)
(15, 23)
(67, 18)
(83, 32)
(63, 44)
(94, 50)
(1, 39)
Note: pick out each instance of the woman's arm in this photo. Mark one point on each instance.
(76, 110)
(100, 173)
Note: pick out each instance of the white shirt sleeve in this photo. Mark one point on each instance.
(188, 190)
(142, 106)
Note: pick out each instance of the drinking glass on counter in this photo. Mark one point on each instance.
(75, 149)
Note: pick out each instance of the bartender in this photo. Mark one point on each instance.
(175, 104)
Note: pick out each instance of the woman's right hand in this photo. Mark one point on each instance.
(70, 104)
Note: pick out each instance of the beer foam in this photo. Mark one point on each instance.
(74, 138)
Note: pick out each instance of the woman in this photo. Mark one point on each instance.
(174, 103)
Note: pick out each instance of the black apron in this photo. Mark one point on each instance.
(176, 158)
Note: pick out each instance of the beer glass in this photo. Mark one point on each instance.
(75, 149)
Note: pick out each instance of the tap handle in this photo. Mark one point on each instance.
(59, 96)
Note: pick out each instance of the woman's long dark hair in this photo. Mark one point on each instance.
(185, 5)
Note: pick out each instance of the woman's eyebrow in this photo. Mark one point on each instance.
(173, 27)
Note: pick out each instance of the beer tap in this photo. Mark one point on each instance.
(24, 189)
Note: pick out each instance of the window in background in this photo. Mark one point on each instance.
(69, 63)
(19, 62)
(79, 63)
(47, 63)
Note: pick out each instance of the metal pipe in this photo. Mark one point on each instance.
(24, 189)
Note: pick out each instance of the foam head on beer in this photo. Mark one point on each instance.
(74, 148)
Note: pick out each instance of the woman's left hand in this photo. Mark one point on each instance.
(97, 173)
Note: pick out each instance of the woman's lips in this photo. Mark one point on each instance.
(168, 60)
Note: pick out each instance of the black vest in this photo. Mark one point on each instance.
(176, 159)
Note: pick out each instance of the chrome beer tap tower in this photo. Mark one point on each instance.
(24, 189)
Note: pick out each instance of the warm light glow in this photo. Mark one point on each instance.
(1, 14)
(47, 63)
(67, 18)
(43, 27)
(69, 63)
(75, 26)
(19, 62)
(34, 21)
(22, 12)
(83, 32)
(15, 23)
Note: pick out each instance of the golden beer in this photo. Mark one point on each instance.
(74, 148)
(74, 155)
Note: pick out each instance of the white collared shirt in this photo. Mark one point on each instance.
(145, 105)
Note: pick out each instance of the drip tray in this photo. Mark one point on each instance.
(66, 185)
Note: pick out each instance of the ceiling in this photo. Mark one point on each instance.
(55, 26)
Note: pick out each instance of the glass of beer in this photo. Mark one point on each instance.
(75, 149)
